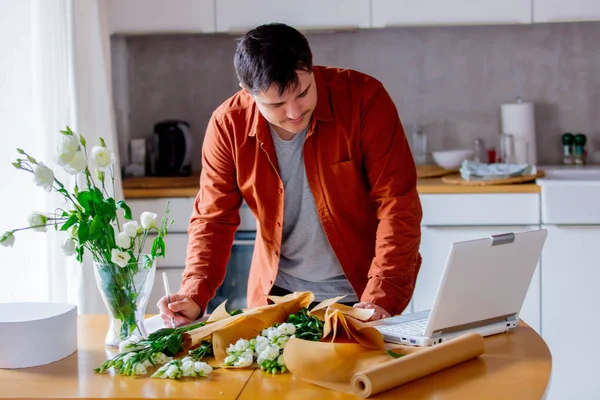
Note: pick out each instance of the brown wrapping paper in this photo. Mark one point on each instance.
(341, 327)
(352, 368)
(224, 329)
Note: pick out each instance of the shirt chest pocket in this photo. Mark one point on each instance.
(350, 181)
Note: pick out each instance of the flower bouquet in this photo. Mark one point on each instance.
(124, 275)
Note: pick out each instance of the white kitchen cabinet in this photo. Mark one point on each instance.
(388, 13)
(570, 300)
(503, 209)
(566, 11)
(159, 16)
(241, 15)
(435, 247)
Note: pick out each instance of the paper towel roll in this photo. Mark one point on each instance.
(518, 119)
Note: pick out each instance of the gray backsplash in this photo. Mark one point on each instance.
(451, 80)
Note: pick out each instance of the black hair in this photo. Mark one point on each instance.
(270, 54)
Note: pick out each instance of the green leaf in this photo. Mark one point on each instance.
(88, 199)
(83, 233)
(161, 245)
(82, 140)
(395, 355)
(102, 143)
(17, 164)
(147, 261)
(158, 247)
(20, 151)
(80, 250)
(31, 160)
(69, 223)
(122, 205)
(96, 227)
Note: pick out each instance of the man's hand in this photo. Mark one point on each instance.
(181, 309)
(379, 313)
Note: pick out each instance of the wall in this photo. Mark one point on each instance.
(452, 80)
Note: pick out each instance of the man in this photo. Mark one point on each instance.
(320, 157)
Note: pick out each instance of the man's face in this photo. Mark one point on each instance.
(290, 112)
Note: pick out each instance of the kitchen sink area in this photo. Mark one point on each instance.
(569, 195)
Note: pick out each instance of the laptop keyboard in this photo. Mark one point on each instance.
(415, 327)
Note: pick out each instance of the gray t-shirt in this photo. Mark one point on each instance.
(307, 261)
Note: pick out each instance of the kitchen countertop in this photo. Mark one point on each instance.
(515, 365)
(152, 187)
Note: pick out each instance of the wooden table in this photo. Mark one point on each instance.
(515, 365)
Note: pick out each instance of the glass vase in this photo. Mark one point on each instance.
(125, 292)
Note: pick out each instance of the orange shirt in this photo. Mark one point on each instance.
(362, 176)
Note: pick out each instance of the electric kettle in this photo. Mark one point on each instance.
(174, 145)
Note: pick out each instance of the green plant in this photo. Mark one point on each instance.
(91, 221)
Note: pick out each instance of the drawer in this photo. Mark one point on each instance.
(481, 209)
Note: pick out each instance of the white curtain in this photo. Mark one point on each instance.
(59, 76)
(94, 108)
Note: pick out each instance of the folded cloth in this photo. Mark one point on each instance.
(471, 170)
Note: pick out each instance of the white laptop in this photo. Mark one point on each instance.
(482, 290)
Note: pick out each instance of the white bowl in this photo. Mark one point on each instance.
(451, 159)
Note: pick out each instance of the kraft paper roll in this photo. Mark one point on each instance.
(518, 119)
(353, 369)
(417, 365)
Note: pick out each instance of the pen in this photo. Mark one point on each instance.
(166, 282)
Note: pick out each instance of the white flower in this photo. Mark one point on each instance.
(260, 347)
(7, 240)
(202, 368)
(187, 366)
(280, 360)
(287, 328)
(123, 241)
(261, 340)
(76, 164)
(67, 147)
(38, 222)
(103, 157)
(68, 247)
(121, 258)
(230, 359)
(148, 220)
(281, 341)
(140, 369)
(173, 371)
(161, 358)
(130, 228)
(270, 353)
(242, 345)
(43, 176)
(243, 361)
(273, 333)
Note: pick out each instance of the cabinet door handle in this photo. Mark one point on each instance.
(243, 242)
